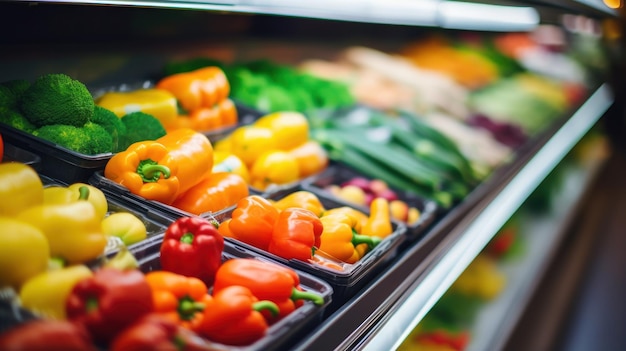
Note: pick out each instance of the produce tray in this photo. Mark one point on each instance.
(56, 161)
(283, 333)
(348, 282)
(15, 154)
(155, 223)
(337, 174)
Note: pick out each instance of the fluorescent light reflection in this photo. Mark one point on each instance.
(462, 15)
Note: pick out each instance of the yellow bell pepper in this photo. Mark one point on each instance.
(64, 195)
(290, 128)
(250, 142)
(379, 221)
(20, 188)
(126, 226)
(47, 292)
(24, 252)
(340, 240)
(157, 102)
(73, 230)
(360, 217)
(274, 167)
(227, 162)
(301, 199)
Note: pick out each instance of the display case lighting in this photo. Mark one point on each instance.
(476, 16)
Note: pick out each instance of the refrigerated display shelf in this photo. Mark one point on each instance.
(389, 308)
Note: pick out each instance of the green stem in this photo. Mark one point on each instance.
(305, 295)
(188, 307)
(91, 304)
(150, 171)
(371, 241)
(187, 238)
(266, 305)
(83, 193)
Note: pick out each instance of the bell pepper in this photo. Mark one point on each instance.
(155, 332)
(233, 317)
(291, 129)
(216, 192)
(274, 167)
(147, 170)
(203, 87)
(301, 199)
(311, 157)
(250, 142)
(20, 183)
(360, 217)
(156, 102)
(179, 298)
(340, 240)
(210, 118)
(192, 246)
(24, 252)
(65, 194)
(109, 302)
(267, 281)
(47, 292)
(46, 334)
(224, 161)
(162, 169)
(379, 221)
(73, 230)
(224, 229)
(125, 226)
(253, 221)
(296, 234)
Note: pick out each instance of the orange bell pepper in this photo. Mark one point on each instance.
(221, 115)
(267, 281)
(162, 169)
(147, 170)
(301, 199)
(296, 234)
(203, 87)
(233, 317)
(216, 192)
(179, 298)
(253, 221)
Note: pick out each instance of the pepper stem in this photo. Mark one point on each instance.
(371, 241)
(83, 193)
(305, 295)
(188, 307)
(266, 305)
(187, 238)
(150, 171)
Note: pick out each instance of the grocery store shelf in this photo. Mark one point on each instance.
(386, 311)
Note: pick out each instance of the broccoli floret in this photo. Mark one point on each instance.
(57, 99)
(140, 126)
(89, 140)
(11, 91)
(15, 119)
(100, 141)
(111, 123)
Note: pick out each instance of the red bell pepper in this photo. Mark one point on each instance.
(267, 281)
(48, 335)
(233, 317)
(155, 332)
(109, 301)
(296, 234)
(192, 246)
(253, 221)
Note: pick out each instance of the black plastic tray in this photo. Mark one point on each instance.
(338, 173)
(282, 334)
(15, 154)
(348, 282)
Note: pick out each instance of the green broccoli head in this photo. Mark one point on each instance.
(111, 123)
(89, 140)
(140, 126)
(57, 99)
(11, 91)
(15, 119)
